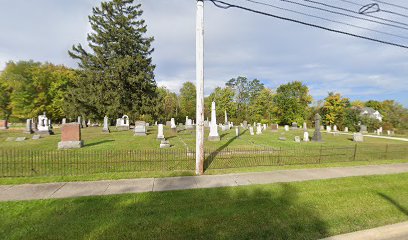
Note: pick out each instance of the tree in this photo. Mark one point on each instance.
(5, 108)
(224, 99)
(261, 108)
(167, 105)
(291, 102)
(117, 76)
(187, 100)
(334, 109)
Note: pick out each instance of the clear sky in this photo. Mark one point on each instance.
(237, 43)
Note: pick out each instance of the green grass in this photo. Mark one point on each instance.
(303, 210)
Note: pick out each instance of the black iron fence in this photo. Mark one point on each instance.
(26, 163)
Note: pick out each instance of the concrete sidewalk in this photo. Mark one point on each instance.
(397, 231)
(78, 189)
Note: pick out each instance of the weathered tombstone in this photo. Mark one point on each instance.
(173, 125)
(282, 138)
(20, 139)
(286, 128)
(294, 126)
(251, 130)
(165, 144)
(70, 136)
(358, 137)
(147, 124)
(317, 135)
(29, 127)
(122, 123)
(44, 127)
(140, 128)
(304, 126)
(297, 139)
(189, 124)
(105, 128)
(380, 130)
(274, 127)
(64, 121)
(237, 131)
(363, 128)
(213, 125)
(206, 124)
(264, 127)
(388, 132)
(258, 129)
(168, 123)
(3, 125)
(346, 129)
(88, 124)
(245, 124)
(36, 137)
(335, 128)
(306, 137)
(160, 132)
(328, 129)
(10, 139)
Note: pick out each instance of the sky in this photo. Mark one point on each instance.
(237, 43)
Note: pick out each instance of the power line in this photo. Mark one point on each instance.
(391, 4)
(225, 5)
(326, 19)
(343, 14)
(380, 9)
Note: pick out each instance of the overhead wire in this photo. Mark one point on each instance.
(380, 8)
(226, 5)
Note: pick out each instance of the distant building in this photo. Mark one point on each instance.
(372, 113)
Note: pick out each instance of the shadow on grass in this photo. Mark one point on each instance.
(395, 203)
(98, 143)
(223, 213)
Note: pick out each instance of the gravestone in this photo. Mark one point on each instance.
(274, 127)
(380, 130)
(306, 137)
(346, 129)
(258, 129)
(264, 127)
(160, 132)
(294, 126)
(321, 128)
(3, 125)
(363, 129)
(388, 132)
(335, 128)
(286, 128)
(304, 126)
(297, 139)
(122, 124)
(213, 125)
(140, 128)
(206, 124)
(36, 137)
(20, 139)
(358, 137)
(168, 123)
(282, 138)
(189, 124)
(105, 128)
(317, 135)
(70, 136)
(237, 131)
(44, 125)
(29, 127)
(88, 124)
(10, 139)
(64, 121)
(165, 144)
(84, 123)
(328, 129)
(173, 125)
(245, 124)
(251, 130)
(80, 121)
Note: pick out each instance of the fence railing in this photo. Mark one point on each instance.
(26, 163)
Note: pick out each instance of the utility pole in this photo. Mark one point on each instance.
(200, 88)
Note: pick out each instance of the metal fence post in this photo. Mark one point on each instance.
(355, 152)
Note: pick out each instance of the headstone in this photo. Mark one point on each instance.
(286, 128)
(264, 127)
(346, 129)
(64, 121)
(10, 139)
(160, 132)
(3, 124)
(168, 123)
(20, 139)
(206, 124)
(282, 138)
(189, 124)
(388, 132)
(251, 130)
(363, 128)
(140, 128)
(317, 135)
(70, 136)
(213, 125)
(328, 129)
(155, 123)
(80, 121)
(306, 137)
(84, 123)
(358, 137)
(237, 131)
(297, 139)
(274, 127)
(245, 124)
(294, 126)
(335, 128)
(322, 128)
(258, 129)
(29, 127)
(122, 123)
(304, 126)
(44, 127)
(165, 144)
(88, 124)
(147, 124)
(106, 125)
(36, 137)
(380, 130)
(173, 123)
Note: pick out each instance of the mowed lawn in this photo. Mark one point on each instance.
(303, 210)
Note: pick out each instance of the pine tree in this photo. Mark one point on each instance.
(117, 75)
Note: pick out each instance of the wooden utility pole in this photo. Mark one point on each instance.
(200, 87)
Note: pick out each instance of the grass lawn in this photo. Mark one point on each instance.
(303, 210)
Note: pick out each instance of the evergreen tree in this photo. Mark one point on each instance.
(117, 76)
